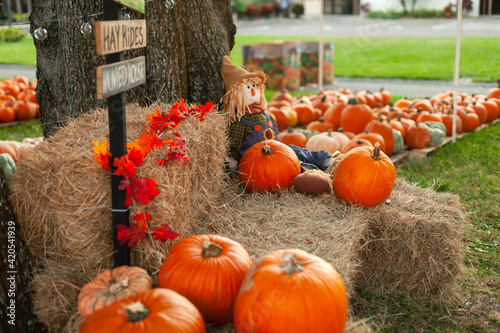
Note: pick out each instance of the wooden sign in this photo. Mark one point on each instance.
(120, 76)
(137, 5)
(118, 36)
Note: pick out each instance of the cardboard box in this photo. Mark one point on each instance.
(279, 61)
(289, 64)
(309, 69)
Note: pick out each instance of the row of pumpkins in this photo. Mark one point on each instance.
(341, 120)
(18, 99)
(210, 279)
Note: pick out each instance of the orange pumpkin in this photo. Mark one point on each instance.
(429, 117)
(24, 110)
(480, 110)
(353, 143)
(306, 113)
(7, 114)
(373, 138)
(322, 102)
(491, 110)
(208, 270)
(365, 176)
(402, 103)
(494, 92)
(355, 116)
(282, 95)
(289, 137)
(155, 310)
(111, 286)
(383, 127)
(448, 123)
(284, 283)
(268, 166)
(6, 147)
(472, 122)
(281, 118)
(418, 137)
(398, 126)
(320, 125)
(332, 114)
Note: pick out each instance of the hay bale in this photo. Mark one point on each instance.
(410, 246)
(413, 245)
(62, 199)
(263, 222)
(56, 292)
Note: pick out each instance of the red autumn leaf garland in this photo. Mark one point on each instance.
(144, 190)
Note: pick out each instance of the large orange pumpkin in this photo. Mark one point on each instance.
(268, 166)
(355, 116)
(155, 310)
(208, 270)
(111, 286)
(289, 291)
(365, 176)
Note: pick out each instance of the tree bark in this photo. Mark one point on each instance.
(16, 309)
(185, 46)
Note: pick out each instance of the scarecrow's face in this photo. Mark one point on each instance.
(252, 93)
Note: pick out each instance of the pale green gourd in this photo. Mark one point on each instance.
(398, 142)
(9, 167)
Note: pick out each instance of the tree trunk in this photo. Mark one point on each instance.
(16, 309)
(185, 46)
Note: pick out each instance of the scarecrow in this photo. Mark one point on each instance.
(245, 104)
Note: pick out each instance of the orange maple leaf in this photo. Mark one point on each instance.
(100, 149)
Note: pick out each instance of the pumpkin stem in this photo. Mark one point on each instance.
(353, 101)
(399, 116)
(119, 286)
(291, 264)
(289, 129)
(267, 150)
(136, 312)
(376, 151)
(211, 250)
(329, 132)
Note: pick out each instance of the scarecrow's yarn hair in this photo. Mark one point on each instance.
(236, 105)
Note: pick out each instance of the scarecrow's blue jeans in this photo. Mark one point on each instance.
(311, 159)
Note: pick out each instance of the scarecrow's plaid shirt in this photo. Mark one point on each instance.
(238, 131)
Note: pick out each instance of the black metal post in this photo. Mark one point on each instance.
(117, 146)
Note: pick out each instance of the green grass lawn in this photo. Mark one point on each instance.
(402, 57)
(18, 53)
